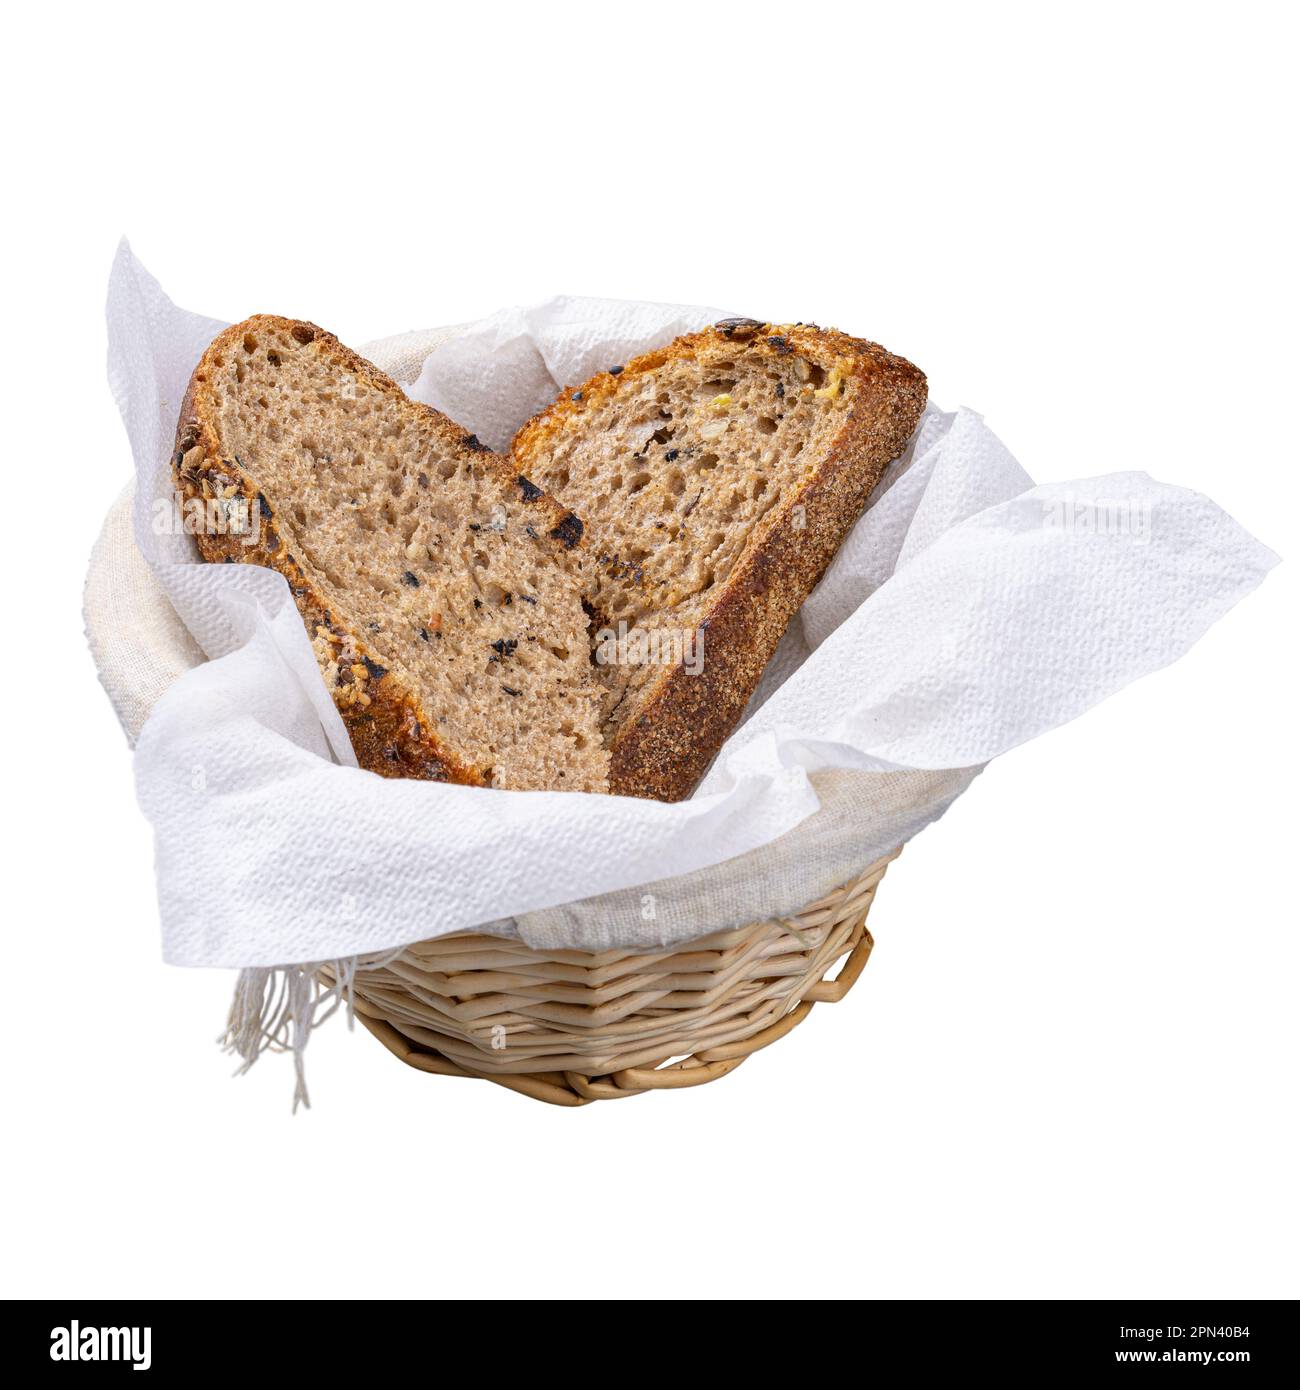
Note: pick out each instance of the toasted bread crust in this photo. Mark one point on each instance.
(664, 746)
(392, 735)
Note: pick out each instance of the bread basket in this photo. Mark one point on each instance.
(569, 1027)
(576, 998)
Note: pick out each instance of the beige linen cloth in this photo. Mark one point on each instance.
(140, 646)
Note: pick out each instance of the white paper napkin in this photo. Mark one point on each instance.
(968, 611)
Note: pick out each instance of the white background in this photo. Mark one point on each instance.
(1070, 1067)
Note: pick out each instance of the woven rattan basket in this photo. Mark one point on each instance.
(570, 1027)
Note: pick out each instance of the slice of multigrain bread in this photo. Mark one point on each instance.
(716, 477)
(441, 590)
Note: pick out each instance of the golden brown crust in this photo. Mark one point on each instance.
(664, 747)
(390, 732)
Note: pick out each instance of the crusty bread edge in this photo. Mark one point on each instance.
(392, 734)
(664, 747)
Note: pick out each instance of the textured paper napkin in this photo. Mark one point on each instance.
(967, 612)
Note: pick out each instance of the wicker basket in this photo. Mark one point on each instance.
(568, 1027)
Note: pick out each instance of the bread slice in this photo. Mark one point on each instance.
(716, 478)
(441, 590)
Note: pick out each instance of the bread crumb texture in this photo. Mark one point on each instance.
(715, 477)
(441, 591)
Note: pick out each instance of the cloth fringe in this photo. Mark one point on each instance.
(276, 1008)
